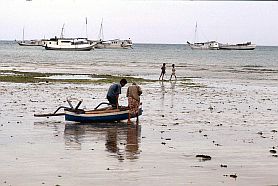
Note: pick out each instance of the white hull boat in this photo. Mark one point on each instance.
(241, 46)
(114, 44)
(210, 45)
(68, 44)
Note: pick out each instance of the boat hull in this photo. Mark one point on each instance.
(237, 47)
(210, 45)
(93, 117)
(70, 49)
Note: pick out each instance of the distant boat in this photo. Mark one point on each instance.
(29, 42)
(68, 44)
(240, 46)
(111, 44)
(114, 44)
(209, 45)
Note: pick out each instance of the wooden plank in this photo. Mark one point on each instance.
(47, 115)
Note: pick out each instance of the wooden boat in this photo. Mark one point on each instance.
(240, 46)
(112, 43)
(29, 42)
(106, 114)
(68, 44)
(99, 115)
(209, 45)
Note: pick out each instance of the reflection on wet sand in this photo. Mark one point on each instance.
(121, 140)
(173, 91)
(161, 83)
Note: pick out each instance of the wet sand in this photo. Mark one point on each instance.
(232, 121)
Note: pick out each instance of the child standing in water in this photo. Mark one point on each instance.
(173, 72)
(163, 71)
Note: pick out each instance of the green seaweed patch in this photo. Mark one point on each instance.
(189, 83)
(37, 77)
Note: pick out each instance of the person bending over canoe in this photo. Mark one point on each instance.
(133, 93)
(114, 91)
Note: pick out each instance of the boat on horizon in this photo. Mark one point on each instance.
(209, 45)
(68, 44)
(33, 42)
(112, 43)
(239, 46)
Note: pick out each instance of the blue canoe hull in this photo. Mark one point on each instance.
(99, 117)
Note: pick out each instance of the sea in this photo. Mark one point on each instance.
(145, 60)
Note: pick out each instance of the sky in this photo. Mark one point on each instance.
(145, 21)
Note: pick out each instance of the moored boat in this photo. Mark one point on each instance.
(240, 46)
(68, 44)
(210, 45)
(114, 44)
(29, 42)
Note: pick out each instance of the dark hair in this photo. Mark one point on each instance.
(164, 64)
(173, 65)
(123, 81)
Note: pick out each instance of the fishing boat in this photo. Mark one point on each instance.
(240, 46)
(29, 42)
(113, 43)
(68, 44)
(105, 114)
(209, 45)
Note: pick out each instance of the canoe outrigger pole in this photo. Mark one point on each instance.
(71, 108)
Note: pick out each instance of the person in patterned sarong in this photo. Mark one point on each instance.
(133, 93)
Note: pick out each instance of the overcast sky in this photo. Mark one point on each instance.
(158, 21)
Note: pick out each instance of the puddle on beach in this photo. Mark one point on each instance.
(72, 77)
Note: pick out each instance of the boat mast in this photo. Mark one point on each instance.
(195, 36)
(86, 29)
(62, 32)
(100, 35)
(23, 35)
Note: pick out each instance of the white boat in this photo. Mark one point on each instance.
(240, 46)
(69, 44)
(113, 43)
(29, 42)
(209, 45)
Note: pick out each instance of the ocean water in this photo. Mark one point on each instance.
(145, 60)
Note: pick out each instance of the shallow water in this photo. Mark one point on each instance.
(231, 117)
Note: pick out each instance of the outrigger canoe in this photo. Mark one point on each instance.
(106, 114)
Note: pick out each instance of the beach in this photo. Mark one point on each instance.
(215, 125)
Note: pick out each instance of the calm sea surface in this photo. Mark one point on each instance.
(145, 60)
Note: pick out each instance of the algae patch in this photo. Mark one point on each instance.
(37, 77)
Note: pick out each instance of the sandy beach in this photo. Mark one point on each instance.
(233, 122)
